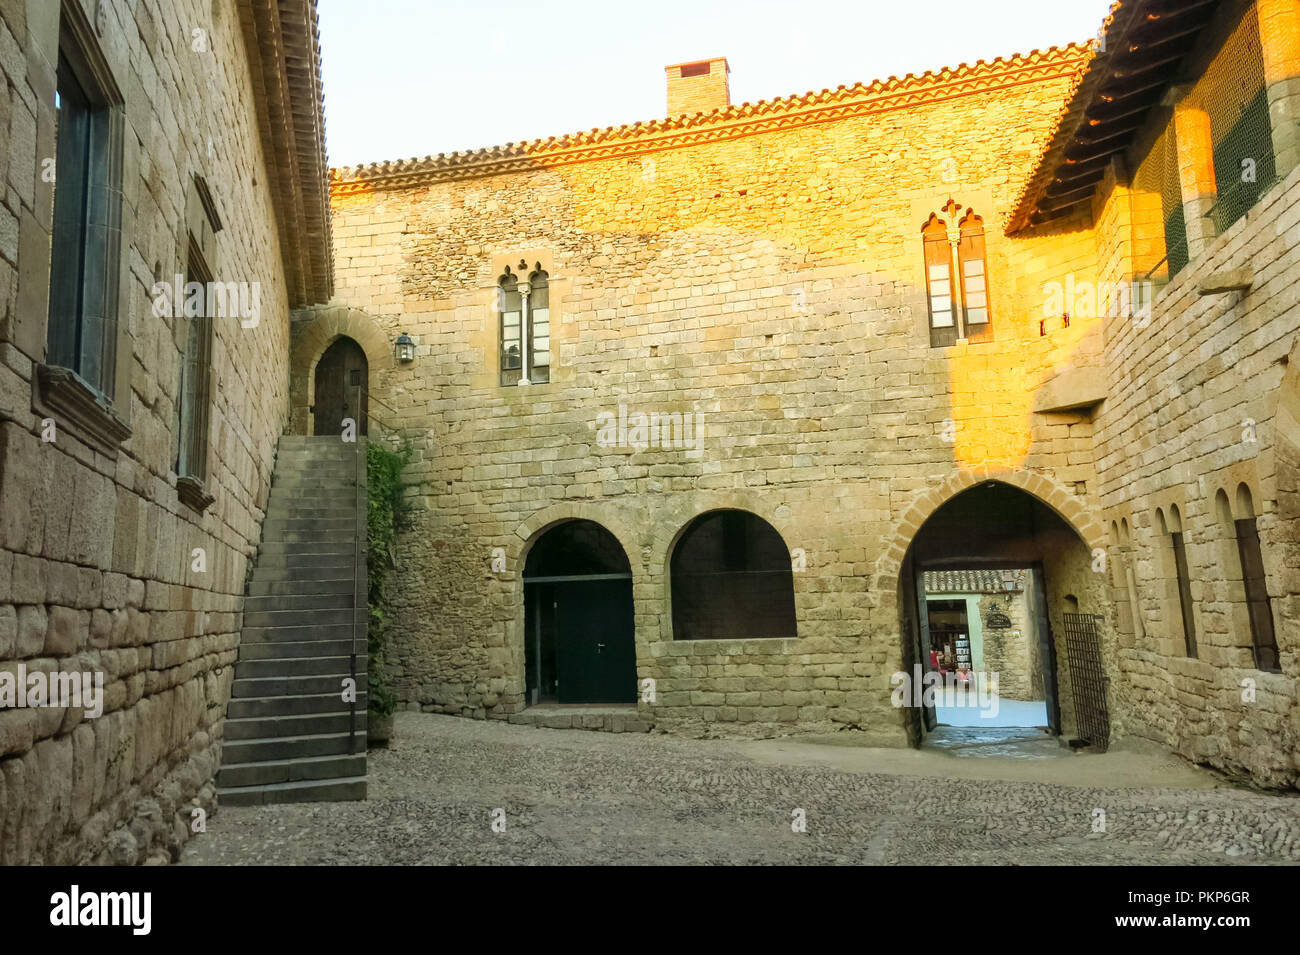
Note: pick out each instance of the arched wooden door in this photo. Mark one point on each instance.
(342, 379)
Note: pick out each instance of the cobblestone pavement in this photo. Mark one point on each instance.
(574, 797)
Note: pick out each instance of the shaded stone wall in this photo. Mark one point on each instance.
(97, 558)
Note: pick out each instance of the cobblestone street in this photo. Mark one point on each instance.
(572, 797)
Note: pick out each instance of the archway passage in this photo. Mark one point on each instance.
(579, 643)
(342, 383)
(994, 543)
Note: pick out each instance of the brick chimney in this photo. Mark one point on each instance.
(699, 86)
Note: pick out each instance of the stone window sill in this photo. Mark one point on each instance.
(85, 410)
(193, 494)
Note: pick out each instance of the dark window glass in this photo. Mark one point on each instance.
(82, 332)
(1184, 592)
(1261, 610)
(731, 579)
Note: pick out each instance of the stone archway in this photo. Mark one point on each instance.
(1066, 505)
(312, 332)
(1028, 523)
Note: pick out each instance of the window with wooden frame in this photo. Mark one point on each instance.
(956, 278)
(86, 238)
(939, 284)
(525, 325)
(974, 279)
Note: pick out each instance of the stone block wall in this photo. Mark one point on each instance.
(98, 568)
(770, 281)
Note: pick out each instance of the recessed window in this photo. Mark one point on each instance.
(696, 69)
(1259, 607)
(196, 373)
(525, 325)
(731, 579)
(86, 239)
(956, 279)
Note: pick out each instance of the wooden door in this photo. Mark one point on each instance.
(342, 377)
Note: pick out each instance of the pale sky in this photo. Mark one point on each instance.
(417, 77)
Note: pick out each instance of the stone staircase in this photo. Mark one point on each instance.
(287, 728)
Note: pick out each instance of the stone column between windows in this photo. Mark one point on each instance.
(525, 332)
(1195, 142)
(1279, 34)
(955, 286)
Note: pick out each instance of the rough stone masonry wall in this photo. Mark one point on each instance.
(95, 570)
(1193, 408)
(1009, 652)
(774, 285)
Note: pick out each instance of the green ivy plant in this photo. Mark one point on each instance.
(385, 511)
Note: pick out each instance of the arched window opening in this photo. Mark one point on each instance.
(974, 279)
(938, 283)
(524, 307)
(731, 579)
(1262, 637)
(1185, 605)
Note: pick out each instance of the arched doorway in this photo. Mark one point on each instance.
(579, 644)
(997, 544)
(342, 385)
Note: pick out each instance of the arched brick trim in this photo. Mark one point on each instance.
(313, 331)
(1066, 505)
(671, 524)
(531, 530)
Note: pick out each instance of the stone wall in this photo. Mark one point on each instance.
(97, 566)
(1012, 652)
(771, 283)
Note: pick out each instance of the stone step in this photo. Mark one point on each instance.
(327, 526)
(260, 687)
(282, 649)
(331, 537)
(249, 706)
(289, 747)
(332, 790)
(267, 773)
(312, 480)
(286, 602)
(617, 718)
(307, 583)
(303, 634)
(322, 617)
(291, 549)
(311, 510)
(304, 567)
(337, 666)
(292, 725)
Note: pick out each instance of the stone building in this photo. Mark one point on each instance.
(696, 400)
(137, 436)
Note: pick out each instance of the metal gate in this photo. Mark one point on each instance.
(1088, 678)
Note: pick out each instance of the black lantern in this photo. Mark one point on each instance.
(404, 348)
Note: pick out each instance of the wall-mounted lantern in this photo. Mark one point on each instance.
(404, 348)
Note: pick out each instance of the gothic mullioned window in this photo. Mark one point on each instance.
(956, 278)
(524, 307)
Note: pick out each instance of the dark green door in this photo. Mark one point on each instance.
(594, 648)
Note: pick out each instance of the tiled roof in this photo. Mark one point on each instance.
(968, 581)
(724, 123)
(1137, 54)
(283, 43)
